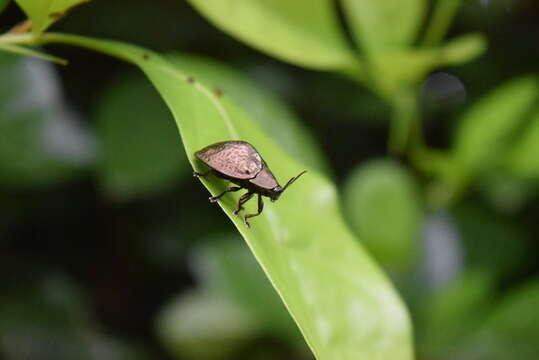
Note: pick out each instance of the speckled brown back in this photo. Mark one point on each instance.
(264, 179)
(237, 159)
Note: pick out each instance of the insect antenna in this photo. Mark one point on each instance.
(291, 181)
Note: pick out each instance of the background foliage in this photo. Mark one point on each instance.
(110, 250)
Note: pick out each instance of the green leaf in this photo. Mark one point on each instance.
(197, 325)
(463, 49)
(303, 32)
(225, 266)
(382, 203)
(384, 24)
(485, 129)
(345, 307)
(523, 158)
(397, 69)
(511, 331)
(491, 242)
(22, 160)
(506, 191)
(275, 118)
(439, 21)
(41, 141)
(48, 316)
(44, 13)
(141, 152)
(3, 4)
(451, 315)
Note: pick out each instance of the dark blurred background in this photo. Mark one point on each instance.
(106, 239)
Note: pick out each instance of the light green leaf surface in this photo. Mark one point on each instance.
(384, 24)
(383, 205)
(141, 152)
(269, 112)
(303, 32)
(44, 13)
(345, 307)
(485, 129)
(523, 159)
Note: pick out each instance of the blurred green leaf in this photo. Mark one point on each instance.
(44, 13)
(384, 24)
(440, 20)
(512, 329)
(271, 113)
(463, 49)
(395, 70)
(203, 326)
(523, 158)
(21, 158)
(383, 205)
(485, 129)
(40, 141)
(3, 4)
(343, 304)
(50, 319)
(450, 316)
(491, 242)
(303, 32)
(401, 68)
(141, 152)
(504, 191)
(226, 266)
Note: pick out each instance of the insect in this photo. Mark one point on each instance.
(240, 163)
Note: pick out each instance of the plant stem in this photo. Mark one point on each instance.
(18, 39)
(23, 50)
(443, 15)
(404, 119)
(94, 44)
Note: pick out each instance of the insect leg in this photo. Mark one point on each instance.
(243, 199)
(197, 174)
(260, 208)
(233, 188)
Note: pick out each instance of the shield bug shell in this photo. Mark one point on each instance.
(240, 163)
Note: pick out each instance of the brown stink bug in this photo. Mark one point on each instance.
(240, 163)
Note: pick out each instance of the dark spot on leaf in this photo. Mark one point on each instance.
(145, 56)
(218, 92)
(57, 14)
(190, 80)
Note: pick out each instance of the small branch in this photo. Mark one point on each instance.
(15, 42)
(404, 117)
(21, 28)
(18, 39)
(22, 50)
